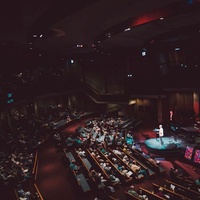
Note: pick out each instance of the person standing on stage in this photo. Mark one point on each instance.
(161, 133)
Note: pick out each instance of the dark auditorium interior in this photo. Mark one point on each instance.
(100, 100)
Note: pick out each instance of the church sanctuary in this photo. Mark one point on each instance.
(100, 100)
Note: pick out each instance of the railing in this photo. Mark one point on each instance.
(100, 97)
(151, 195)
(34, 176)
(98, 90)
(35, 166)
(16, 194)
(39, 196)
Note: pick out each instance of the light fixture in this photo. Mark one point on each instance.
(127, 29)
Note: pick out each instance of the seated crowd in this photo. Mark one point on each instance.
(20, 142)
(105, 136)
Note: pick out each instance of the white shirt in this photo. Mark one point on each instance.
(161, 131)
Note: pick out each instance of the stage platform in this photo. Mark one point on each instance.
(170, 145)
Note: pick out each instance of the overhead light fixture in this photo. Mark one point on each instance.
(131, 102)
(144, 52)
(79, 45)
(127, 29)
(108, 34)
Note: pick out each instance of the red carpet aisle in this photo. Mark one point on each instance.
(193, 171)
(53, 180)
(52, 175)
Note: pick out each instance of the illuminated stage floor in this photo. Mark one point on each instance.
(170, 144)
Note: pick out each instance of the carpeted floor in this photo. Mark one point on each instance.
(55, 183)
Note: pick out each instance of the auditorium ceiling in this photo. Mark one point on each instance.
(71, 27)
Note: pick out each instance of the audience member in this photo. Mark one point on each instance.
(97, 176)
(160, 193)
(132, 191)
(81, 152)
(197, 182)
(73, 165)
(114, 179)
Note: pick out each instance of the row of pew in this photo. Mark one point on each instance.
(79, 177)
(180, 189)
(84, 179)
(108, 156)
(149, 194)
(150, 172)
(143, 161)
(187, 182)
(111, 157)
(172, 191)
(98, 160)
(151, 165)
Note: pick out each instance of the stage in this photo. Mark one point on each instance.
(169, 145)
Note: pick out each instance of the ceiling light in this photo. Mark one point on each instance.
(127, 29)
(144, 52)
(79, 45)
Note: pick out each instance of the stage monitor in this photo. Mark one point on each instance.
(188, 152)
(197, 156)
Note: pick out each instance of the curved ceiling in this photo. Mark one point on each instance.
(73, 27)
